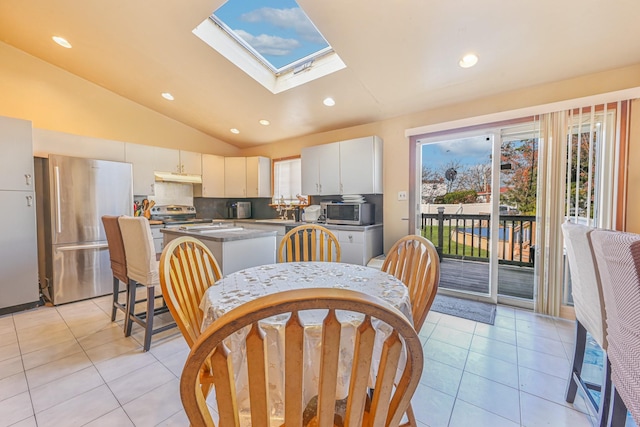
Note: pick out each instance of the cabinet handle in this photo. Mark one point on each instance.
(181, 168)
(350, 238)
(320, 188)
(152, 188)
(29, 201)
(27, 178)
(341, 189)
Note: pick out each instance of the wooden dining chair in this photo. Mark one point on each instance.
(588, 304)
(384, 408)
(617, 256)
(309, 242)
(142, 269)
(414, 261)
(187, 270)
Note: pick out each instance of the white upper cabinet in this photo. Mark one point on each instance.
(16, 162)
(166, 160)
(212, 176)
(258, 177)
(142, 159)
(190, 162)
(321, 169)
(361, 166)
(235, 177)
(346, 167)
(247, 177)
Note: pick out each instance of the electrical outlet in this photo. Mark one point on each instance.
(402, 195)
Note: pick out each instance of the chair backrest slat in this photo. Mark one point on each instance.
(414, 260)
(365, 340)
(390, 399)
(309, 242)
(294, 355)
(256, 364)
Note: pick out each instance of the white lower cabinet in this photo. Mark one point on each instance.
(158, 238)
(280, 229)
(359, 246)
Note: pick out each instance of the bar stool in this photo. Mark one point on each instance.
(588, 303)
(142, 268)
(617, 256)
(118, 262)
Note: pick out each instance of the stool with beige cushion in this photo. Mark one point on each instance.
(142, 268)
(617, 256)
(588, 303)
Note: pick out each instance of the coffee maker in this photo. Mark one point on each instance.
(238, 210)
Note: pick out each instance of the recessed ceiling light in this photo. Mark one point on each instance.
(62, 42)
(329, 102)
(234, 130)
(468, 61)
(168, 96)
(264, 122)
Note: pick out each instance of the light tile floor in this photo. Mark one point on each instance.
(71, 366)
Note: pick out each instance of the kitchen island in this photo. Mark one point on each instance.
(235, 248)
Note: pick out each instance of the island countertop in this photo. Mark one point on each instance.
(219, 234)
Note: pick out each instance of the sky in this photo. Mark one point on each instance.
(278, 29)
(468, 151)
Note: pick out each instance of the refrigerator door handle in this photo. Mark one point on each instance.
(56, 170)
(77, 247)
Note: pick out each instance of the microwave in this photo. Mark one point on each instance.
(349, 213)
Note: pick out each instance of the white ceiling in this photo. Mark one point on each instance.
(401, 56)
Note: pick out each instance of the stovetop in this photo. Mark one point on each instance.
(176, 214)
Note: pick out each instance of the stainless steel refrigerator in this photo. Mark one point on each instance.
(72, 195)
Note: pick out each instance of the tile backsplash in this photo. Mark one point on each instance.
(173, 193)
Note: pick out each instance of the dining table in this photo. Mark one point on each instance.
(246, 285)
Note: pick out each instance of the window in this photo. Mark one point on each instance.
(273, 41)
(287, 180)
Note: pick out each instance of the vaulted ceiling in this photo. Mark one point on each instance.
(401, 56)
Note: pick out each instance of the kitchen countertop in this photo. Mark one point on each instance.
(220, 234)
(289, 223)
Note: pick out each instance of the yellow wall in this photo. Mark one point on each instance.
(57, 100)
(54, 99)
(396, 145)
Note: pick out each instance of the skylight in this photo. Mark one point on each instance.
(277, 34)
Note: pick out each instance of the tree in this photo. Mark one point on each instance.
(520, 178)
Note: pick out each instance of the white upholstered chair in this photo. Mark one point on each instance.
(588, 303)
(142, 269)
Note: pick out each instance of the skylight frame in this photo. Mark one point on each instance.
(261, 59)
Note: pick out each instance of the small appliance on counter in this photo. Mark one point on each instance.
(312, 213)
(349, 213)
(239, 210)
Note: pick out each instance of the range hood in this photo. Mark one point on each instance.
(178, 177)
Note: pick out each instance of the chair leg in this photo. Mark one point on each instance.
(617, 410)
(578, 358)
(148, 330)
(131, 306)
(116, 293)
(412, 418)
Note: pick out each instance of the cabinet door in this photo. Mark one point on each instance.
(351, 247)
(310, 166)
(258, 177)
(47, 142)
(212, 176)
(329, 168)
(357, 166)
(235, 177)
(166, 160)
(190, 162)
(16, 162)
(18, 253)
(141, 158)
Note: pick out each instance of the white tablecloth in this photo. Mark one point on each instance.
(249, 284)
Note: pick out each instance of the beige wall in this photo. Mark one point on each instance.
(54, 99)
(396, 145)
(633, 183)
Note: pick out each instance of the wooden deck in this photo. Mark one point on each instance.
(474, 277)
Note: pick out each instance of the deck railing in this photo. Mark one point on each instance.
(466, 236)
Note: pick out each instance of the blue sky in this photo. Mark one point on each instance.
(278, 29)
(468, 151)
